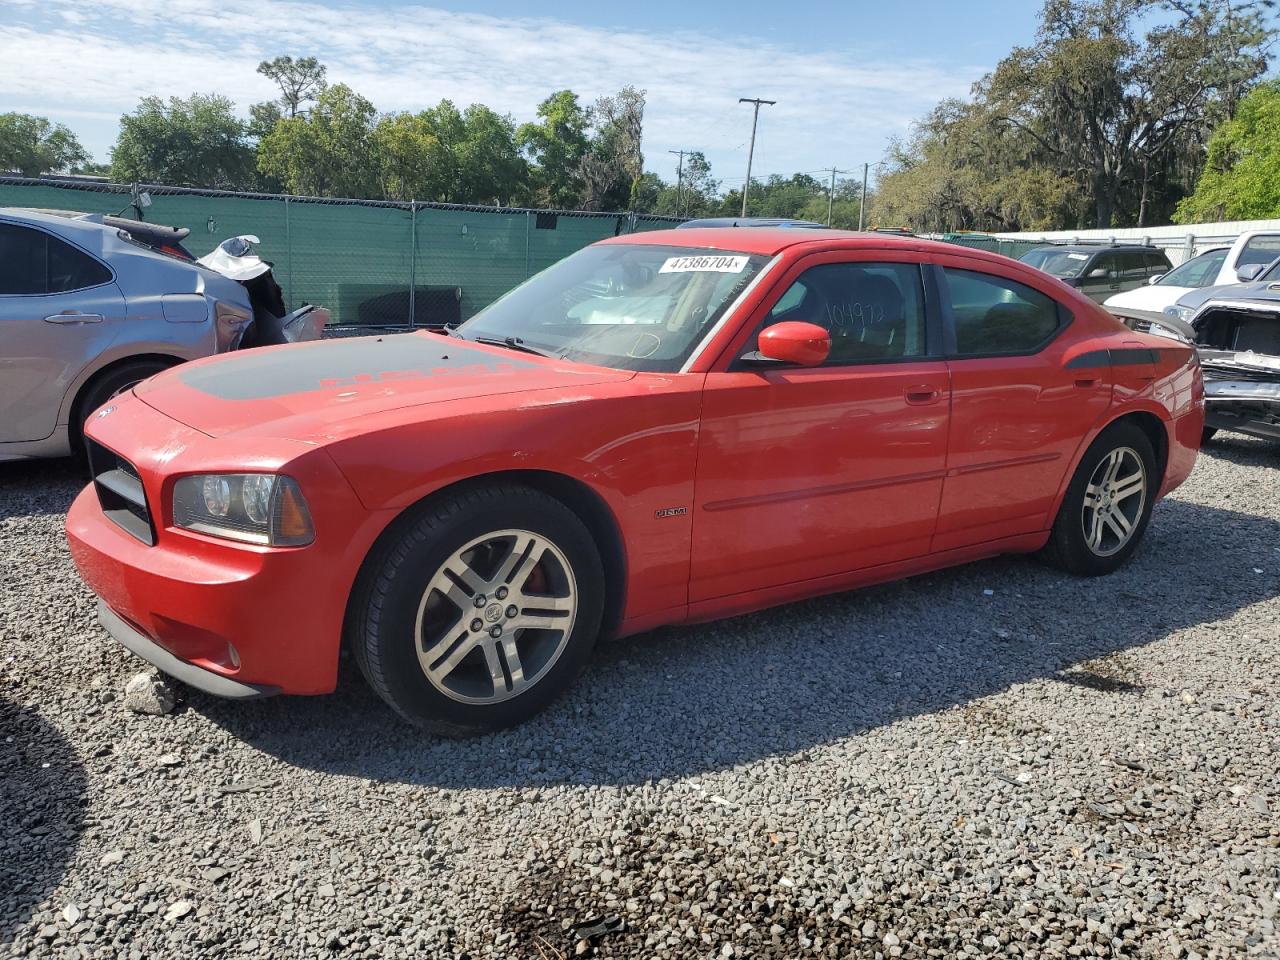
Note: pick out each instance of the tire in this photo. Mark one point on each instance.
(457, 652)
(1207, 434)
(109, 384)
(1076, 544)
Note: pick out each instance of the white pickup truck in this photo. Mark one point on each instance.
(1241, 262)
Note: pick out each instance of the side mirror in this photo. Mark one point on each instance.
(1156, 279)
(792, 341)
(1249, 272)
(1098, 273)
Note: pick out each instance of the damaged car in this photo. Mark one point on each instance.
(1237, 339)
(91, 306)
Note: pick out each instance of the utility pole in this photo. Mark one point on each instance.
(751, 152)
(862, 204)
(831, 193)
(679, 175)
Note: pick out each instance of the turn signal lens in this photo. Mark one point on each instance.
(291, 525)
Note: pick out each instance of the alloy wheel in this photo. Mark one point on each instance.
(496, 616)
(1113, 501)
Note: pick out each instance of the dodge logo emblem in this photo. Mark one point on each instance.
(493, 612)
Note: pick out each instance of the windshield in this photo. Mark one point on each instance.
(628, 306)
(1058, 263)
(1199, 271)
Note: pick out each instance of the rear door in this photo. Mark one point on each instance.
(59, 309)
(1018, 406)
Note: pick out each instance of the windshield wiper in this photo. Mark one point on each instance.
(515, 343)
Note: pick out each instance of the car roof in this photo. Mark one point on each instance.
(769, 241)
(1095, 247)
(754, 222)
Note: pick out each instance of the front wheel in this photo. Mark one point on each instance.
(478, 610)
(1108, 504)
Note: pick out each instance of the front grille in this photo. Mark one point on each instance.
(120, 492)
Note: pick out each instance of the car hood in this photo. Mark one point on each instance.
(1154, 296)
(1265, 290)
(305, 391)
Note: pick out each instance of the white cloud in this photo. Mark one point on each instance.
(838, 104)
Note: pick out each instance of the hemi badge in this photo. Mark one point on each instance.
(670, 512)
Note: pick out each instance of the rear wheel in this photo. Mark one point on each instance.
(479, 610)
(107, 385)
(1108, 504)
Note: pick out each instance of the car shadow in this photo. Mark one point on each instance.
(48, 486)
(1243, 450)
(683, 701)
(42, 804)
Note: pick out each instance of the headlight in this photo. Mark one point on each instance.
(250, 507)
(1182, 313)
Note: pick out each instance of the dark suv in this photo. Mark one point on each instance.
(1099, 272)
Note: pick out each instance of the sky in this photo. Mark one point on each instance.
(847, 76)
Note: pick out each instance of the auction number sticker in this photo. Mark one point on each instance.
(704, 264)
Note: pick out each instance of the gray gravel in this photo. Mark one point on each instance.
(1059, 768)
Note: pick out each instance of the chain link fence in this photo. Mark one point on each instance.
(370, 262)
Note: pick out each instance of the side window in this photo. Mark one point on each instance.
(1157, 263)
(22, 260)
(32, 263)
(873, 311)
(1103, 261)
(1135, 265)
(70, 269)
(994, 315)
(1261, 249)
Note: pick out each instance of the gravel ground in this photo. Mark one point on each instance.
(992, 760)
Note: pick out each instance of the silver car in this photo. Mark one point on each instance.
(86, 312)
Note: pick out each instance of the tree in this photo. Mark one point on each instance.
(455, 157)
(1241, 180)
(330, 151)
(1103, 120)
(415, 163)
(300, 81)
(491, 169)
(198, 142)
(1109, 107)
(613, 164)
(557, 145)
(33, 145)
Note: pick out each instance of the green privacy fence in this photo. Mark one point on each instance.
(369, 262)
(1010, 248)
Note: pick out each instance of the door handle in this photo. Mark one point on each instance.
(1088, 381)
(74, 318)
(920, 396)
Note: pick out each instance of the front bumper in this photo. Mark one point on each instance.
(233, 619)
(1245, 406)
(143, 646)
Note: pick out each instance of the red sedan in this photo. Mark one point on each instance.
(662, 428)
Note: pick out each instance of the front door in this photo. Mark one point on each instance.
(808, 472)
(58, 310)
